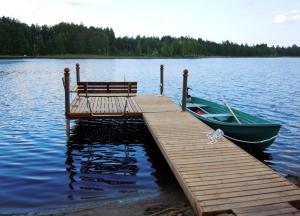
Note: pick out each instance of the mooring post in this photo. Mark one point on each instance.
(161, 79)
(67, 98)
(184, 89)
(78, 73)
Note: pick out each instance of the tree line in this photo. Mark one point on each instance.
(17, 38)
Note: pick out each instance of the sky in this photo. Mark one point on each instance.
(275, 22)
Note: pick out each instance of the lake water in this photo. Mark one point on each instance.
(116, 159)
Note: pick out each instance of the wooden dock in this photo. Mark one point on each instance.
(97, 106)
(216, 178)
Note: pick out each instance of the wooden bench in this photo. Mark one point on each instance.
(107, 88)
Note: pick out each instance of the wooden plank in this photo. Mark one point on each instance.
(122, 102)
(136, 104)
(104, 115)
(104, 87)
(240, 186)
(219, 164)
(273, 212)
(74, 105)
(113, 104)
(105, 83)
(95, 105)
(211, 160)
(114, 107)
(194, 155)
(107, 94)
(214, 170)
(253, 191)
(251, 203)
(92, 102)
(129, 108)
(202, 174)
(117, 99)
(109, 105)
(247, 198)
(201, 151)
(265, 210)
(82, 104)
(96, 91)
(232, 180)
(198, 178)
(105, 103)
(98, 104)
(133, 105)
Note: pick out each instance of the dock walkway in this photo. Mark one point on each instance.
(216, 178)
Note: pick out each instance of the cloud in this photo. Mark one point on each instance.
(293, 16)
(86, 2)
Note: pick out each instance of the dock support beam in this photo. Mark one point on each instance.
(67, 99)
(184, 89)
(161, 79)
(77, 73)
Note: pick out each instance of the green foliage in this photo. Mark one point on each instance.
(18, 38)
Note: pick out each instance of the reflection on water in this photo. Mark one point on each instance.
(110, 158)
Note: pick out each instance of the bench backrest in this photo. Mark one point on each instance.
(107, 87)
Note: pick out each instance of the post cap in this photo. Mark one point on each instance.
(185, 72)
(161, 66)
(77, 65)
(67, 71)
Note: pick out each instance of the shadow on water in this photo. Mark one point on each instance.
(111, 158)
(259, 154)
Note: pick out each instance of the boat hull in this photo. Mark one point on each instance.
(248, 134)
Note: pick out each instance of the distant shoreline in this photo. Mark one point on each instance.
(128, 57)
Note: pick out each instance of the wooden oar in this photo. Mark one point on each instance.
(230, 110)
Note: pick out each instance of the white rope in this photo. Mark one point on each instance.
(217, 135)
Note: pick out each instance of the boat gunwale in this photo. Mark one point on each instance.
(266, 123)
(235, 124)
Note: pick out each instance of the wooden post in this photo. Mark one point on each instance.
(161, 79)
(78, 73)
(184, 89)
(67, 99)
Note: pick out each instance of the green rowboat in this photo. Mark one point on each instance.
(243, 129)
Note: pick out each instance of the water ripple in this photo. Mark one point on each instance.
(108, 160)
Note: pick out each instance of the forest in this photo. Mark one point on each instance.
(20, 39)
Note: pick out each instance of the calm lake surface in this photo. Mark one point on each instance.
(39, 168)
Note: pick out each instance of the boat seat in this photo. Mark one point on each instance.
(201, 105)
(217, 115)
(198, 105)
